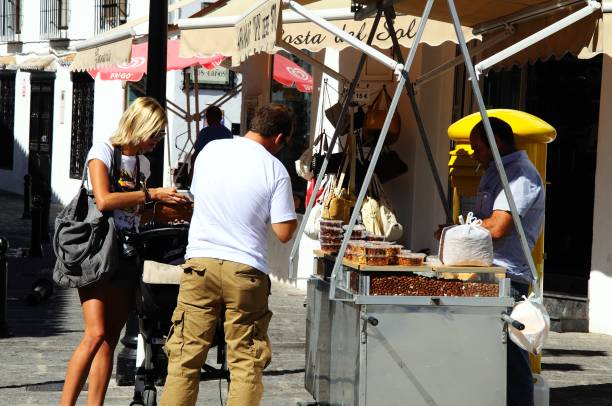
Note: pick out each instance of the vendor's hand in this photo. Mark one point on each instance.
(438, 232)
(168, 195)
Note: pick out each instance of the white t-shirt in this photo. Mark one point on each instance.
(239, 188)
(128, 218)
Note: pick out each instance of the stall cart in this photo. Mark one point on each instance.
(374, 346)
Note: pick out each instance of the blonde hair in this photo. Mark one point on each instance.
(142, 120)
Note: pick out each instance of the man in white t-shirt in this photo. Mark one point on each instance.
(239, 188)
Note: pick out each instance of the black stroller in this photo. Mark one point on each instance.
(156, 297)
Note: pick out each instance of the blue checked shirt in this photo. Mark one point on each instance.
(528, 192)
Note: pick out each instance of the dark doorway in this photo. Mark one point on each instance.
(7, 115)
(565, 93)
(41, 140)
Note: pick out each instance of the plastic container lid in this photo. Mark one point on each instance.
(331, 223)
(331, 229)
(358, 228)
(412, 255)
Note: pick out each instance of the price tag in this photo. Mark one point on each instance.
(361, 96)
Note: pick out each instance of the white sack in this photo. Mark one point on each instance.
(467, 244)
(537, 324)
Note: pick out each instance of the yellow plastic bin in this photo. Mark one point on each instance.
(530, 134)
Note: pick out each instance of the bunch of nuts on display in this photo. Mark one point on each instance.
(330, 236)
(409, 284)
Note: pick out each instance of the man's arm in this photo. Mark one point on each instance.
(284, 230)
(499, 224)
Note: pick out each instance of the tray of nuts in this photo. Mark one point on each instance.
(410, 284)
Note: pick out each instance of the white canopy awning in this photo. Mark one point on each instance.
(541, 28)
(114, 46)
(217, 31)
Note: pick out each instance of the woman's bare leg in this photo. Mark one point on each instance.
(117, 308)
(92, 302)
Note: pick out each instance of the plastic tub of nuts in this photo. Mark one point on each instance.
(392, 252)
(410, 258)
(375, 249)
(356, 247)
(328, 231)
(330, 248)
(373, 237)
(333, 239)
(376, 260)
(358, 233)
(331, 223)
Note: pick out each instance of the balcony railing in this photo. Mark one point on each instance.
(10, 20)
(54, 16)
(110, 14)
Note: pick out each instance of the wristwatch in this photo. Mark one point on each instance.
(148, 203)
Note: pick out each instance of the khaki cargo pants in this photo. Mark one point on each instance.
(206, 286)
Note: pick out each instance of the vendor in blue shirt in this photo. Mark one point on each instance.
(493, 208)
(213, 131)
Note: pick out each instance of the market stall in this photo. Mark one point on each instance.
(422, 333)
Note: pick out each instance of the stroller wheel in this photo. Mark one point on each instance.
(149, 397)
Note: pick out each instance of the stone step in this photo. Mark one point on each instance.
(567, 312)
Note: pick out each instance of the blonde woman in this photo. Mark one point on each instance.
(106, 305)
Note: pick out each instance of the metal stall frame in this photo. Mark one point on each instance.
(473, 74)
(369, 51)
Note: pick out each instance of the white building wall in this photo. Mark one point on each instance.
(600, 281)
(62, 185)
(109, 97)
(13, 180)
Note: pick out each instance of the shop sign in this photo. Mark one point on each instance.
(217, 78)
(257, 31)
(311, 36)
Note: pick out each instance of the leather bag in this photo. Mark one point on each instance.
(375, 118)
(377, 213)
(85, 241)
(340, 201)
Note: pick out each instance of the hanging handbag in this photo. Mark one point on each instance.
(391, 228)
(375, 118)
(370, 214)
(312, 227)
(85, 241)
(339, 203)
(389, 165)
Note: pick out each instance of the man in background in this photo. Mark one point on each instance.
(213, 131)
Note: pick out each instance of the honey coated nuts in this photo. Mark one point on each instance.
(326, 239)
(411, 259)
(327, 231)
(330, 248)
(376, 260)
(375, 249)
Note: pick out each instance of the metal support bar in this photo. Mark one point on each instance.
(345, 105)
(354, 42)
(378, 149)
(183, 113)
(586, 11)
(196, 94)
(496, 156)
(305, 57)
(419, 119)
(458, 60)
(523, 16)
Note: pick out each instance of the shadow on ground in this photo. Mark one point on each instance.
(595, 395)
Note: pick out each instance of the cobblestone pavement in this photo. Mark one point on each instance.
(578, 366)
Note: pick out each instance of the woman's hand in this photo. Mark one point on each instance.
(167, 195)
